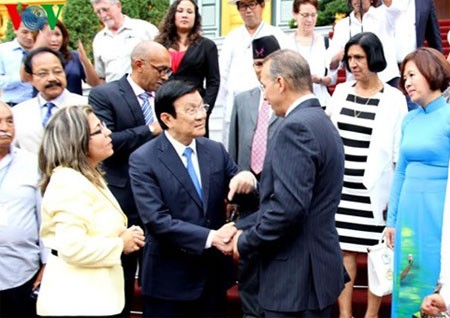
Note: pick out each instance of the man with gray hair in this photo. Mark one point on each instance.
(301, 272)
(112, 46)
(23, 254)
(126, 106)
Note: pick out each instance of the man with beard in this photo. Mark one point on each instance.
(46, 70)
(112, 46)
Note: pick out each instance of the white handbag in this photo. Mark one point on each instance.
(380, 266)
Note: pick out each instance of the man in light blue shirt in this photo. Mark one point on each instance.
(21, 250)
(14, 91)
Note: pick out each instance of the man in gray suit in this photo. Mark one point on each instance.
(248, 107)
(300, 263)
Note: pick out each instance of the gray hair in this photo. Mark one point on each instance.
(66, 144)
(111, 1)
(291, 66)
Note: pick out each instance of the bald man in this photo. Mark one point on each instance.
(126, 107)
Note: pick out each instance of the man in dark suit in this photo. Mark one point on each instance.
(125, 106)
(180, 197)
(427, 25)
(251, 121)
(301, 270)
(417, 22)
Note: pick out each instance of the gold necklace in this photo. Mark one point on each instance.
(357, 113)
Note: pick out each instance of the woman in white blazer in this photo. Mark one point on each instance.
(368, 115)
(82, 223)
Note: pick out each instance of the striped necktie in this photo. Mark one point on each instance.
(259, 143)
(48, 114)
(190, 168)
(146, 108)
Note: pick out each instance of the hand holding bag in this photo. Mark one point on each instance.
(380, 266)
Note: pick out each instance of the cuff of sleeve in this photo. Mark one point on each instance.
(445, 293)
(209, 239)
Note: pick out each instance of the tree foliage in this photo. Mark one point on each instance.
(328, 10)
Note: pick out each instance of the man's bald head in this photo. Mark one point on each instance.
(150, 65)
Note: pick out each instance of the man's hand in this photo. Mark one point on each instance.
(433, 305)
(235, 245)
(243, 182)
(223, 237)
(155, 128)
(38, 279)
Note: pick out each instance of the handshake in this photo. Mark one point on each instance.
(225, 239)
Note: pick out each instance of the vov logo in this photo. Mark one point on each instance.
(34, 17)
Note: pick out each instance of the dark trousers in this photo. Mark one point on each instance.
(325, 313)
(129, 264)
(124, 196)
(212, 303)
(17, 302)
(248, 278)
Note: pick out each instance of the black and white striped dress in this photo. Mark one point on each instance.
(354, 218)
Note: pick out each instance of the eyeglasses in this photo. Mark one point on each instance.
(162, 70)
(45, 74)
(192, 111)
(102, 129)
(244, 6)
(104, 10)
(308, 15)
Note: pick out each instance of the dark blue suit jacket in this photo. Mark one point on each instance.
(116, 104)
(427, 26)
(295, 234)
(176, 265)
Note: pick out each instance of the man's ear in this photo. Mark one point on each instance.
(167, 119)
(263, 4)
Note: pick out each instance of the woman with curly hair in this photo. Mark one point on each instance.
(194, 57)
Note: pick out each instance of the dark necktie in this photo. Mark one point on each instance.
(48, 114)
(190, 168)
(146, 108)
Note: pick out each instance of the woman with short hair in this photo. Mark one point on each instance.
(416, 205)
(368, 115)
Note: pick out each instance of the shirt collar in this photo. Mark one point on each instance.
(9, 157)
(127, 24)
(16, 46)
(179, 147)
(58, 101)
(298, 102)
(135, 87)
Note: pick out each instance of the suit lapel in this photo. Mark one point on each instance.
(253, 106)
(109, 196)
(204, 162)
(190, 55)
(170, 159)
(131, 100)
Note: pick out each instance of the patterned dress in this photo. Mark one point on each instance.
(354, 218)
(416, 206)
